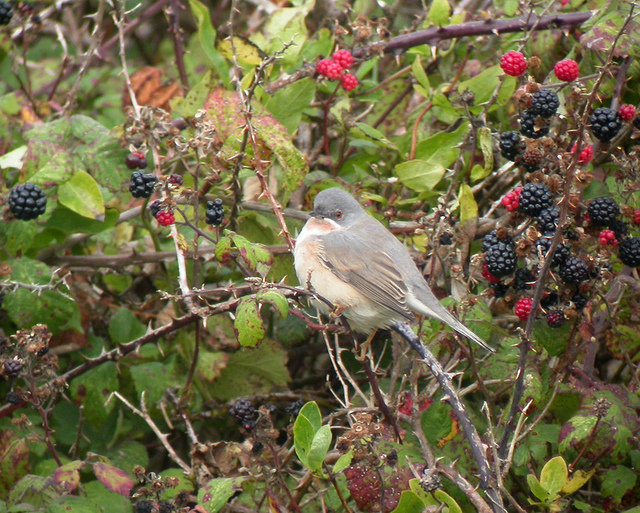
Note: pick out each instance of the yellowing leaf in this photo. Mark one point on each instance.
(468, 205)
(82, 195)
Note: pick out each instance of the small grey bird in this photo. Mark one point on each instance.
(353, 261)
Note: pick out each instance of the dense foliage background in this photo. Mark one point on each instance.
(147, 365)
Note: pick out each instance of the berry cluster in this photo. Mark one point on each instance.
(244, 413)
(215, 212)
(142, 184)
(6, 13)
(605, 123)
(336, 68)
(27, 201)
(162, 213)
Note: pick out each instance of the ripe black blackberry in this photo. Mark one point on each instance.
(534, 198)
(12, 368)
(499, 289)
(155, 208)
(501, 259)
(529, 128)
(629, 251)
(511, 145)
(579, 300)
(27, 201)
(603, 210)
(142, 184)
(544, 103)
(244, 412)
(6, 13)
(215, 212)
(524, 279)
(548, 219)
(144, 507)
(562, 252)
(605, 123)
(574, 271)
(12, 398)
(619, 227)
(549, 300)
(446, 239)
(491, 239)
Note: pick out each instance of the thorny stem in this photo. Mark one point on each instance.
(176, 34)
(487, 480)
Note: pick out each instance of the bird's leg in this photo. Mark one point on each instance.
(362, 353)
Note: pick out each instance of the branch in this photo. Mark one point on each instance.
(487, 480)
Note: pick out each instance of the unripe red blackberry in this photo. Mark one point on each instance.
(523, 308)
(511, 200)
(555, 318)
(488, 276)
(27, 201)
(344, 58)
(513, 63)
(348, 82)
(566, 70)
(627, 112)
(329, 68)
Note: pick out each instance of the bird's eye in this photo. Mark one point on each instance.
(339, 215)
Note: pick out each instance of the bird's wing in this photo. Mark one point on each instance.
(368, 269)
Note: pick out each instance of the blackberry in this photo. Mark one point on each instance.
(528, 126)
(446, 239)
(175, 180)
(142, 184)
(144, 507)
(155, 208)
(544, 103)
(12, 368)
(257, 447)
(574, 271)
(12, 398)
(523, 308)
(534, 198)
(511, 145)
(555, 318)
(524, 279)
(491, 239)
(548, 219)
(6, 13)
(499, 289)
(579, 300)
(603, 210)
(27, 201)
(549, 300)
(531, 159)
(562, 252)
(244, 412)
(294, 408)
(605, 123)
(629, 251)
(620, 228)
(501, 259)
(215, 212)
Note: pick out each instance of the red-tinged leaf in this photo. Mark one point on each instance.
(14, 461)
(113, 478)
(68, 475)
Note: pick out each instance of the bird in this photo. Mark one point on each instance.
(352, 261)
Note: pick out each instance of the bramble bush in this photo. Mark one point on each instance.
(157, 160)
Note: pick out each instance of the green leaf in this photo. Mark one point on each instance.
(303, 434)
(554, 340)
(312, 413)
(82, 195)
(445, 498)
(577, 481)
(409, 503)
(436, 422)
(536, 488)
(70, 222)
(373, 134)
(207, 37)
(439, 12)
(343, 462)
(278, 300)
(35, 491)
(253, 370)
(319, 448)
(217, 492)
(18, 235)
(108, 500)
(248, 324)
(419, 74)
(443, 148)
(210, 365)
(188, 106)
(247, 54)
(68, 476)
(14, 460)
(26, 307)
(72, 503)
(554, 475)
(124, 327)
(113, 478)
(484, 85)
(468, 205)
(153, 379)
(419, 175)
(92, 390)
(485, 142)
(288, 103)
(618, 481)
(287, 25)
